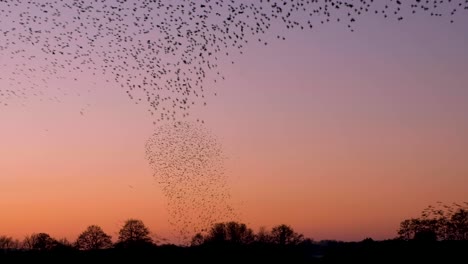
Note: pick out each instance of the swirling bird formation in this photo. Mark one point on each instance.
(188, 163)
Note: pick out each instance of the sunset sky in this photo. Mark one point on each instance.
(339, 134)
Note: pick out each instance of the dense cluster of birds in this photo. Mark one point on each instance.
(162, 53)
(188, 164)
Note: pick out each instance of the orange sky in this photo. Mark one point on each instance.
(341, 135)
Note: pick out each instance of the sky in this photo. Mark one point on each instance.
(339, 134)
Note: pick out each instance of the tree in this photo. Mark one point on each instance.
(285, 235)
(406, 231)
(197, 240)
(134, 233)
(28, 242)
(263, 235)
(239, 233)
(93, 238)
(6, 242)
(64, 242)
(217, 233)
(231, 232)
(458, 225)
(442, 222)
(39, 241)
(420, 229)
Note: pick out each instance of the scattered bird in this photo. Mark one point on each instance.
(442, 210)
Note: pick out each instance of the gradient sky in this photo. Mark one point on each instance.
(341, 135)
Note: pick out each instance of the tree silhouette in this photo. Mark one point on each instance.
(231, 232)
(285, 235)
(93, 238)
(40, 241)
(458, 225)
(217, 233)
(263, 235)
(419, 229)
(441, 222)
(134, 233)
(6, 242)
(197, 240)
(28, 242)
(64, 242)
(407, 229)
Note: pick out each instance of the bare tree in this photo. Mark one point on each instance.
(232, 232)
(458, 225)
(197, 240)
(440, 222)
(39, 241)
(6, 242)
(134, 233)
(263, 235)
(28, 242)
(93, 238)
(64, 242)
(285, 235)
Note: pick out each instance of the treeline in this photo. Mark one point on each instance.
(134, 244)
(134, 234)
(440, 234)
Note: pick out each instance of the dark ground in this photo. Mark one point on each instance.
(391, 251)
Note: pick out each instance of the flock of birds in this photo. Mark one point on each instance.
(443, 211)
(188, 163)
(161, 53)
(165, 55)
